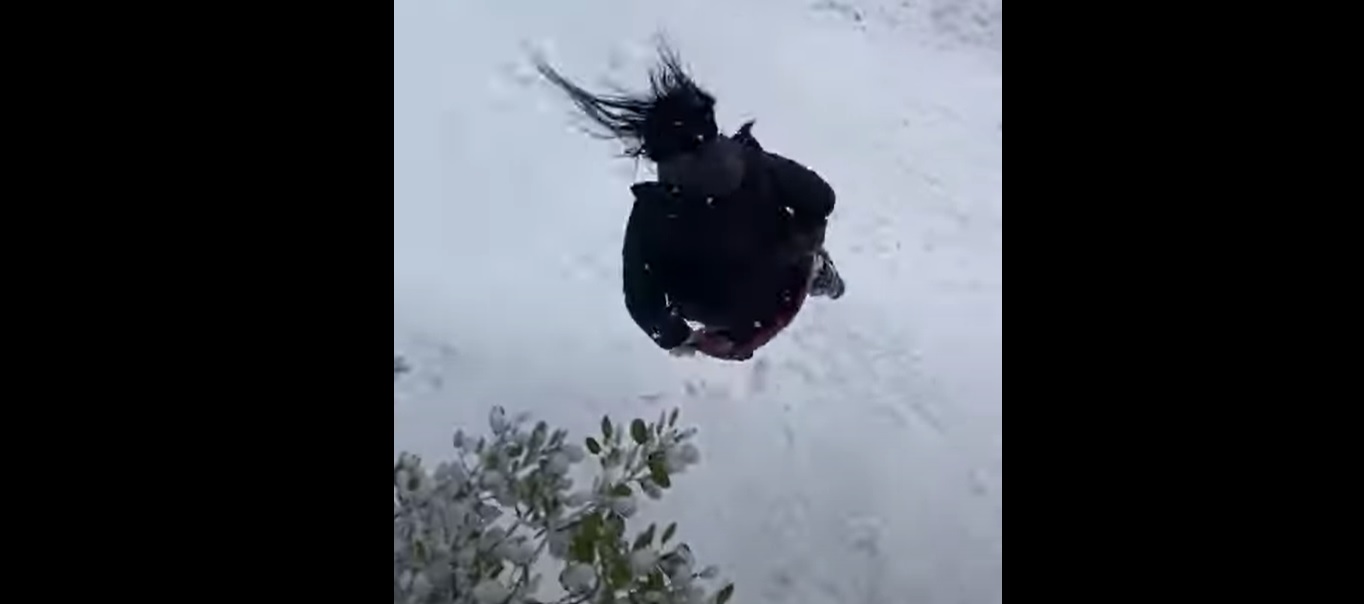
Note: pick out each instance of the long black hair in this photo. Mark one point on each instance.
(674, 117)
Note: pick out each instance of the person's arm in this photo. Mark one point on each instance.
(645, 297)
(809, 196)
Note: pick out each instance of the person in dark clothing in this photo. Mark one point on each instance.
(722, 249)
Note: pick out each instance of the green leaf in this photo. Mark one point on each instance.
(593, 446)
(669, 532)
(584, 546)
(606, 427)
(659, 472)
(645, 538)
(639, 431)
(606, 550)
(537, 439)
(725, 594)
(620, 575)
(582, 551)
(654, 582)
(615, 568)
(672, 419)
(622, 490)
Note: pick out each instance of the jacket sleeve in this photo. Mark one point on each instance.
(809, 197)
(645, 297)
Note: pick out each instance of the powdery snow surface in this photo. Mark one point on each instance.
(859, 459)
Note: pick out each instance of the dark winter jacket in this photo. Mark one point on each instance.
(731, 261)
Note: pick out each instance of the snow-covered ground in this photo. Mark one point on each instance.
(859, 458)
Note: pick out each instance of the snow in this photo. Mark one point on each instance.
(859, 458)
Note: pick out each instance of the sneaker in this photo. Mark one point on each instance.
(827, 281)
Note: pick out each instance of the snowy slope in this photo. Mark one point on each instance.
(860, 459)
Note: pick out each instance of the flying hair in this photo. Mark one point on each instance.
(673, 117)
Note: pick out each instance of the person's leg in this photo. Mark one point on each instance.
(826, 281)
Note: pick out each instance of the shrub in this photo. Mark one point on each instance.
(474, 531)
